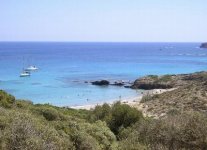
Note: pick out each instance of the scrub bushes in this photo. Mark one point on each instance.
(117, 116)
(6, 100)
(184, 131)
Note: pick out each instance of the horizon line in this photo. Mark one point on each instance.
(104, 41)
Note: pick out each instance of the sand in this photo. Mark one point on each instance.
(135, 101)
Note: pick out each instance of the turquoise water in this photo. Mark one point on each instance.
(64, 67)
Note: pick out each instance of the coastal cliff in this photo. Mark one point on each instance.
(203, 45)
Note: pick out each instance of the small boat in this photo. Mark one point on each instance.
(31, 68)
(25, 74)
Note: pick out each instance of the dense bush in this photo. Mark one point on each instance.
(123, 116)
(91, 135)
(101, 113)
(23, 131)
(50, 114)
(117, 116)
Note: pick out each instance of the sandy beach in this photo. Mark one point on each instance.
(129, 101)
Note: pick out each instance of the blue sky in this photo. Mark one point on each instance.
(104, 20)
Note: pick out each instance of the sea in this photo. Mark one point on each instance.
(64, 67)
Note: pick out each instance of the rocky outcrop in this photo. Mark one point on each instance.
(101, 82)
(126, 84)
(118, 83)
(153, 82)
(150, 86)
(203, 45)
(167, 81)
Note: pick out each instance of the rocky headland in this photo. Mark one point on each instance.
(166, 81)
(189, 94)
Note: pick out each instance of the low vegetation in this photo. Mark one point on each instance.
(117, 117)
(146, 97)
(184, 131)
(165, 78)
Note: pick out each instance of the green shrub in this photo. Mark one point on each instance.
(50, 114)
(84, 141)
(123, 116)
(101, 113)
(24, 132)
(117, 116)
(165, 78)
(154, 77)
(6, 100)
(23, 104)
(92, 135)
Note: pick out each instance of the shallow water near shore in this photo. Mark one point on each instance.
(64, 67)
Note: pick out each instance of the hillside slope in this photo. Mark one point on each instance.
(190, 94)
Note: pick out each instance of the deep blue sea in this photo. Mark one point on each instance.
(64, 67)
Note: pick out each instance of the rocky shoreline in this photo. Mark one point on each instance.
(171, 94)
(151, 82)
(126, 84)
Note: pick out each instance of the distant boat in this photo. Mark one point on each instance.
(25, 73)
(31, 68)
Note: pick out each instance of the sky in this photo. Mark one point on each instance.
(104, 20)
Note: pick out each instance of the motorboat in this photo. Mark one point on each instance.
(25, 74)
(31, 68)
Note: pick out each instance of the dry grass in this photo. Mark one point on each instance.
(191, 96)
